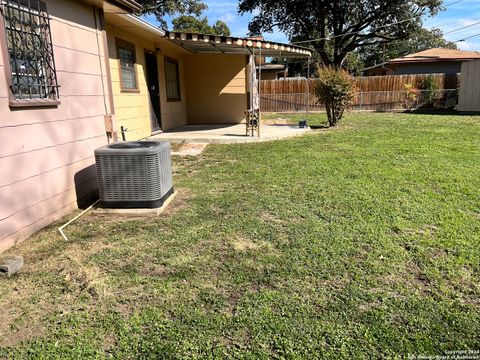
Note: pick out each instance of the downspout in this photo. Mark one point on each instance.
(109, 107)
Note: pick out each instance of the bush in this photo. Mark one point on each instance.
(335, 89)
(411, 96)
(429, 89)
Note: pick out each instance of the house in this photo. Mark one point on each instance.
(431, 61)
(272, 71)
(162, 80)
(77, 74)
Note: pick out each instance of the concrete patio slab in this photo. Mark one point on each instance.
(137, 212)
(227, 134)
(190, 149)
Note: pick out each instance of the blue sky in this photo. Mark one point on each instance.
(459, 13)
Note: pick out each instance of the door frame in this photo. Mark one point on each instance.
(159, 118)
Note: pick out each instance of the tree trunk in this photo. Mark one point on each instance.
(330, 108)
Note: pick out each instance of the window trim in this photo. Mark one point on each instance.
(173, 61)
(13, 102)
(120, 43)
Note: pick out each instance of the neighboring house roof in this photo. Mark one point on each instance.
(381, 65)
(212, 44)
(436, 55)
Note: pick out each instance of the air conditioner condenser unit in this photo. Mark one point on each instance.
(135, 174)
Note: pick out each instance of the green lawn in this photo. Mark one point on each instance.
(355, 242)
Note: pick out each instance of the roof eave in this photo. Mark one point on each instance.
(116, 6)
(213, 43)
(404, 61)
(136, 21)
(130, 5)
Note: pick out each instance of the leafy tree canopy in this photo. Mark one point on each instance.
(419, 40)
(162, 8)
(363, 57)
(220, 28)
(188, 23)
(343, 25)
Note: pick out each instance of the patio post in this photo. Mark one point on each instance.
(308, 85)
(259, 93)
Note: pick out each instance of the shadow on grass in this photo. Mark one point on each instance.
(433, 111)
(317, 127)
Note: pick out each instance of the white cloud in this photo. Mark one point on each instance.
(228, 17)
(465, 45)
(467, 22)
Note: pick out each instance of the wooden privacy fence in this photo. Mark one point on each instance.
(373, 92)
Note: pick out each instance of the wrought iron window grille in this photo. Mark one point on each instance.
(30, 50)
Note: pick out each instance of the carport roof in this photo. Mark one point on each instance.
(211, 44)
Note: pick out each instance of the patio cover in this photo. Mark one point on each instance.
(211, 44)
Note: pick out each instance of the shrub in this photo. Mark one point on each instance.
(411, 96)
(335, 89)
(429, 87)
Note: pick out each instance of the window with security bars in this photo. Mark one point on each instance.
(126, 55)
(172, 80)
(30, 50)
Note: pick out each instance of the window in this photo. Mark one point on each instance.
(31, 69)
(172, 80)
(128, 75)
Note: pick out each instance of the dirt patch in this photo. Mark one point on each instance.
(243, 244)
(155, 270)
(437, 254)
(179, 203)
(51, 282)
(419, 276)
(80, 278)
(190, 149)
(109, 343)
(425, 231)
(270, 218)
(13, 337)
(277, 121)
(176, 146)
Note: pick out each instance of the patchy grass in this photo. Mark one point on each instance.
(355, 242)
(314, 119)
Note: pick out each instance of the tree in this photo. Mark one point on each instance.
(420, 40)
(188, 23)
(220, 28)
(335, 88)
(162, 8)
(345, 25)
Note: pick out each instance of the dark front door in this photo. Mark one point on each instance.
(153, 89)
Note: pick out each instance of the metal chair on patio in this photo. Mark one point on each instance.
(253, 122)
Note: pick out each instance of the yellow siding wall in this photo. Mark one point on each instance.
(216, 88)
(174, 113)
(132, 110)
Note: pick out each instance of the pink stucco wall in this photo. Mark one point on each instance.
(46, 154)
